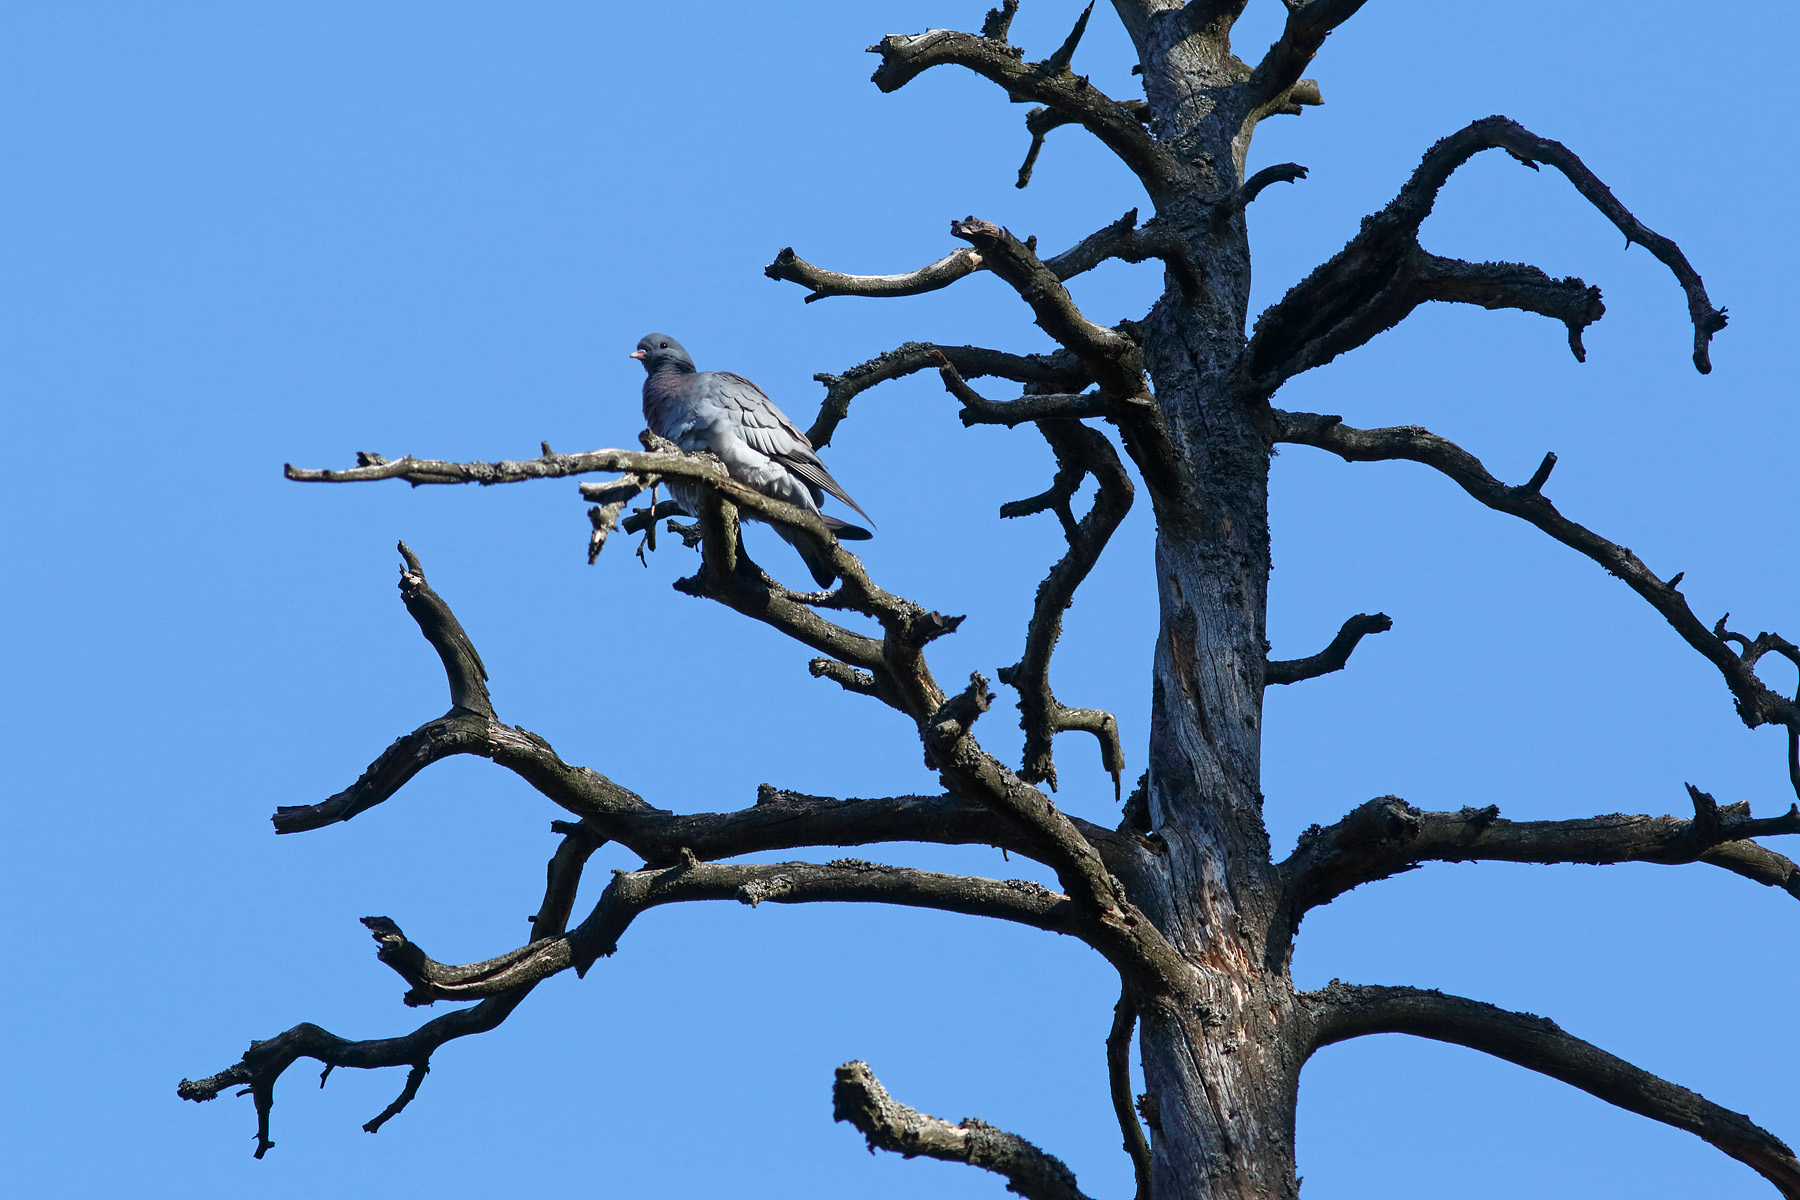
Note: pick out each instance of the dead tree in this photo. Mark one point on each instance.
(1184, 898)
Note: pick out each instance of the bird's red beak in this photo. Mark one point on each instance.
(637, 354)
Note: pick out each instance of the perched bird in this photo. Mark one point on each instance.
(760, 447)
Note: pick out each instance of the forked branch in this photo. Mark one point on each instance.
(1049, 82)
(1117, 929)
(1309, 23)
(1031, 407)
(1387, 836)
(501, 983)
(1126, 241)
(1040, 121)
(1383, 273)
(1757, 704)
(1342, 1011)
(779, 820)
(859, 1099)
(1122, 239)
(971, 774)
(469, 727)
(1061, 372)
(262, 1065)
(907, 626)
(632, 893)
(1111, 358)
(1007, 811)
(1091, 353)
(1064, 373)
(898, 670)
(1080, 452)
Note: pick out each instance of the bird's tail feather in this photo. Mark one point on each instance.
(815, 556)
(823, 573)
(844, 531)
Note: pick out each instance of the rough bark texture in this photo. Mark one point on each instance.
(1184, 899)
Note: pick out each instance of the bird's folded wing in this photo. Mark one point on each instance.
(812, 471)
(766, 429)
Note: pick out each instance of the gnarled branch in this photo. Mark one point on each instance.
(469, 727)
(1123, 240)
(501, 983)
(1033, 406)
(1387, 836)
(551, 465)
(463, 668)
(859, 1099)
(1342, 1011)
(1080, 452)
(1112, 924)
(1757, 704)
(1049, 83)
(632, 893)
(1382, 274)
(1332, 657)
(610, 500)
(1117, 929)
(1061, 371)
(1109, 357)
(1113, 359)
(722, 576)
(987, 803)
(940, 274)
(1309, 23)
(1253, 187)
(1370, 288)
(262, 1065)
(780, 820)
(1118, 1079)
(1040, 121)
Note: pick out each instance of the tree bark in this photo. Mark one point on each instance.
(1222, 1076)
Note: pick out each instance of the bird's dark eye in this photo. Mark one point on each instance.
(662, 345)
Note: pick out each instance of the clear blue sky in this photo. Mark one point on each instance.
(236, 235)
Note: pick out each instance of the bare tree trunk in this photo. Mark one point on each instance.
(1223, 1078)
(1222, 1075)
(1221, 1100)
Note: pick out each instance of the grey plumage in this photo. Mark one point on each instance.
(760, 447)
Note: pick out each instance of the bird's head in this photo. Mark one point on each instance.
(658, 350)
